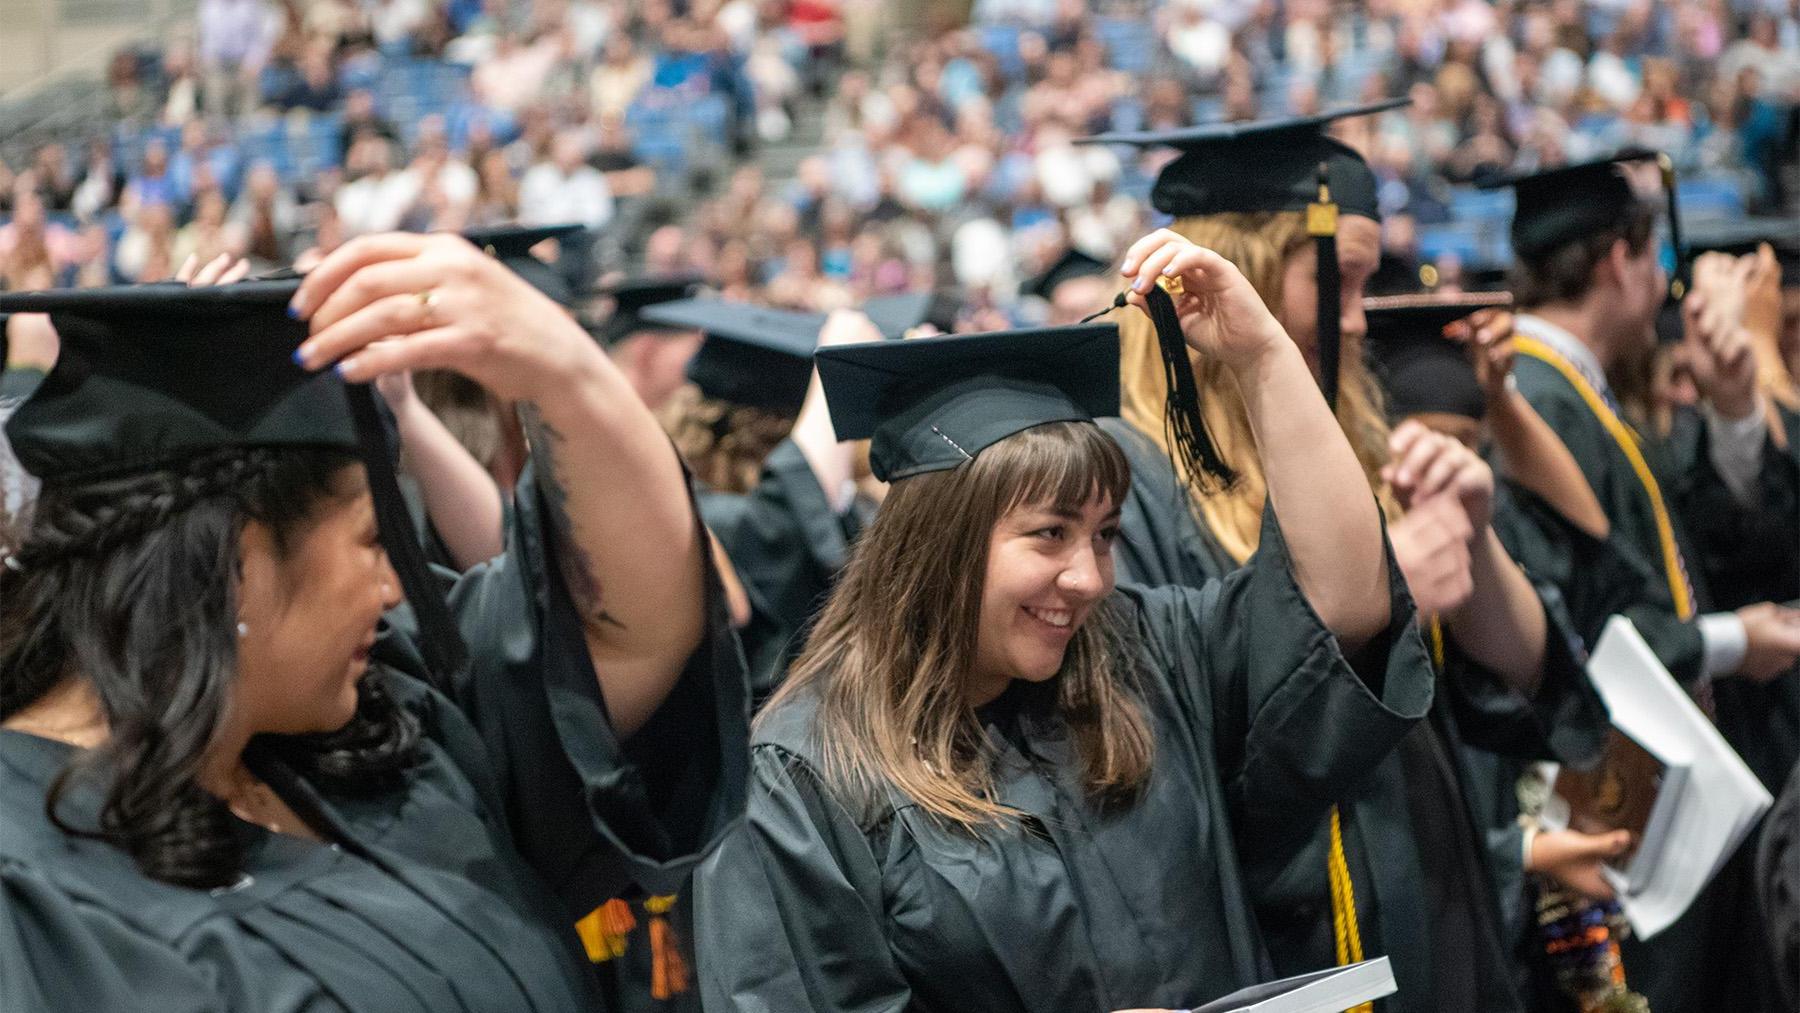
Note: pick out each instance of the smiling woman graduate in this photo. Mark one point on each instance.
(994, 780)
(226, 781)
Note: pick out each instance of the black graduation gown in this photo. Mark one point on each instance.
(1414, 839)
(788, 546)
(458, 890)
(809, 906)
(1682, 967)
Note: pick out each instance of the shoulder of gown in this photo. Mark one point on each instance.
(1160, 542)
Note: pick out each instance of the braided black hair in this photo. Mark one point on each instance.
(131, 584)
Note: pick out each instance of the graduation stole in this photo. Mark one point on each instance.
(1627, 441)
(605, 930)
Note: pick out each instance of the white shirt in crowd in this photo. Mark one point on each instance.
(548, 197)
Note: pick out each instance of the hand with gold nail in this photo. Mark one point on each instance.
(1221, 314)
(390, 303)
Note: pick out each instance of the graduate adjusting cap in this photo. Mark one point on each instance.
(1569, 202)
(631, 297)
(1264, 165)
(1740, 236)
(895, 315)
(1419, 368)
(930, 404)
(149, 375)
(511, 245)
(1071, 265)
(754, 356)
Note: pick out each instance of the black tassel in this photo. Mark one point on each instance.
(439, 640)
(1679, 284)
(1322, 225)
(1185, 426)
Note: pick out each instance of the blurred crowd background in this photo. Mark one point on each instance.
(812, 153)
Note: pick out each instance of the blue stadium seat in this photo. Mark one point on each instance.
(1130, 43)
(1710, 197)
(1455, 238)
(1468, 204)
(1003, 42)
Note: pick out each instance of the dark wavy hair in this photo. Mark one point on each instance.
(131, 584)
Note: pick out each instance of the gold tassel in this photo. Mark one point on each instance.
(668, 972)
(604, 929)
(1343, 904)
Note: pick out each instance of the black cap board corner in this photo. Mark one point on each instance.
(1419, 369)
(1740, 236)
(632, 296)
(929, 404)
(149, 375)
(755, 356)
(511, 245)
(897, 315)
(1072, 264)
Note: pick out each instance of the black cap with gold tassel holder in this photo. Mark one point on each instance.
(1322, 225)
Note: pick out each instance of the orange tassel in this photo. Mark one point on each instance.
(668, 972)
(604, 929)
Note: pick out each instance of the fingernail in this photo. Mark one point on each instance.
(1140, 286)
(1128, 267)
(1169, 272)
(293, 311)
(341, 368)
(300, 356)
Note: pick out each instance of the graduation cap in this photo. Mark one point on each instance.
(930, 404)
(149, 375)
(631, 297)
(511, 245)
(1419, 368)
(1071, 265)
(754, 356)
(1284, 164)
(1740, 236)
(895, 315)
(1560, 205)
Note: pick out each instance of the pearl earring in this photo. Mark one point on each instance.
(243, 630)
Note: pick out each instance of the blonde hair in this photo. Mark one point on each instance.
(889, 658)
(1259, 244)
(724, 443)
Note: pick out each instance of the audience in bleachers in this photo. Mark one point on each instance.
(940, 155)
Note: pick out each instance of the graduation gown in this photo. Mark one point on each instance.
(456, 890)
(813, 906)
(788, 546)
(1415, 835)
(1679, 969)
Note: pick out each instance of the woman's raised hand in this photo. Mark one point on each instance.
(1221, 314)
(392, 302)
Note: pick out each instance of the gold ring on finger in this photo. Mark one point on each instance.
(428, 301)
(1170, 283)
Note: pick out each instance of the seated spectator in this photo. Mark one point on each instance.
(236, 37)
(268, 216)
(210, 234)
(565, 188)
(315, 87)
(199, 155)
(55, 179)
(434, 171)
(626, 176)
(128, 99)
(151, 184)
(33, 250)
(182, 90)
(146, 252)
(496, 191)
(359, 118)
(619, 77)
(376, 196)
(514, 74)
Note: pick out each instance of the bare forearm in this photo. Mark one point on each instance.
(1321, 497)
(1501, 626)
(832, 462)
(625, 535)
(1536, 458)
(461, 499)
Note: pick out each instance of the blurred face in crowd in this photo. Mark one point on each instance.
(1359, 251)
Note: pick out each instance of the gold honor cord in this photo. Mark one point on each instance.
(1343, 905)
(1628, 444)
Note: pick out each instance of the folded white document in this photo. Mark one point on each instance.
(1328, 991)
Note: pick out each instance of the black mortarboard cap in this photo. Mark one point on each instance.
(930, 404)
(1263, 165)
(754, 356)
(148, 375)
(512, 244)
(1560, 205)
(1739, 236)
(895, 315)
(1419, 368)
(631, 297)
(1071, 265)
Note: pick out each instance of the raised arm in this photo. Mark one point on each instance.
(625, 533)
(461, 498)
(833, 461)
(1327, 515)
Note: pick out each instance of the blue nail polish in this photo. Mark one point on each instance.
(338, 368)
(293, 312)
(299, 359)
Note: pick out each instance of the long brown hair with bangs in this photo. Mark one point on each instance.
(889, 658)
(1259, 244)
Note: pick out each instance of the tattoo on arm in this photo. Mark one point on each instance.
(577, 567)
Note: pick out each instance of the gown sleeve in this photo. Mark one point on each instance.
(788, 911)
(590, 812)
(1296, 722)
(58, 953)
